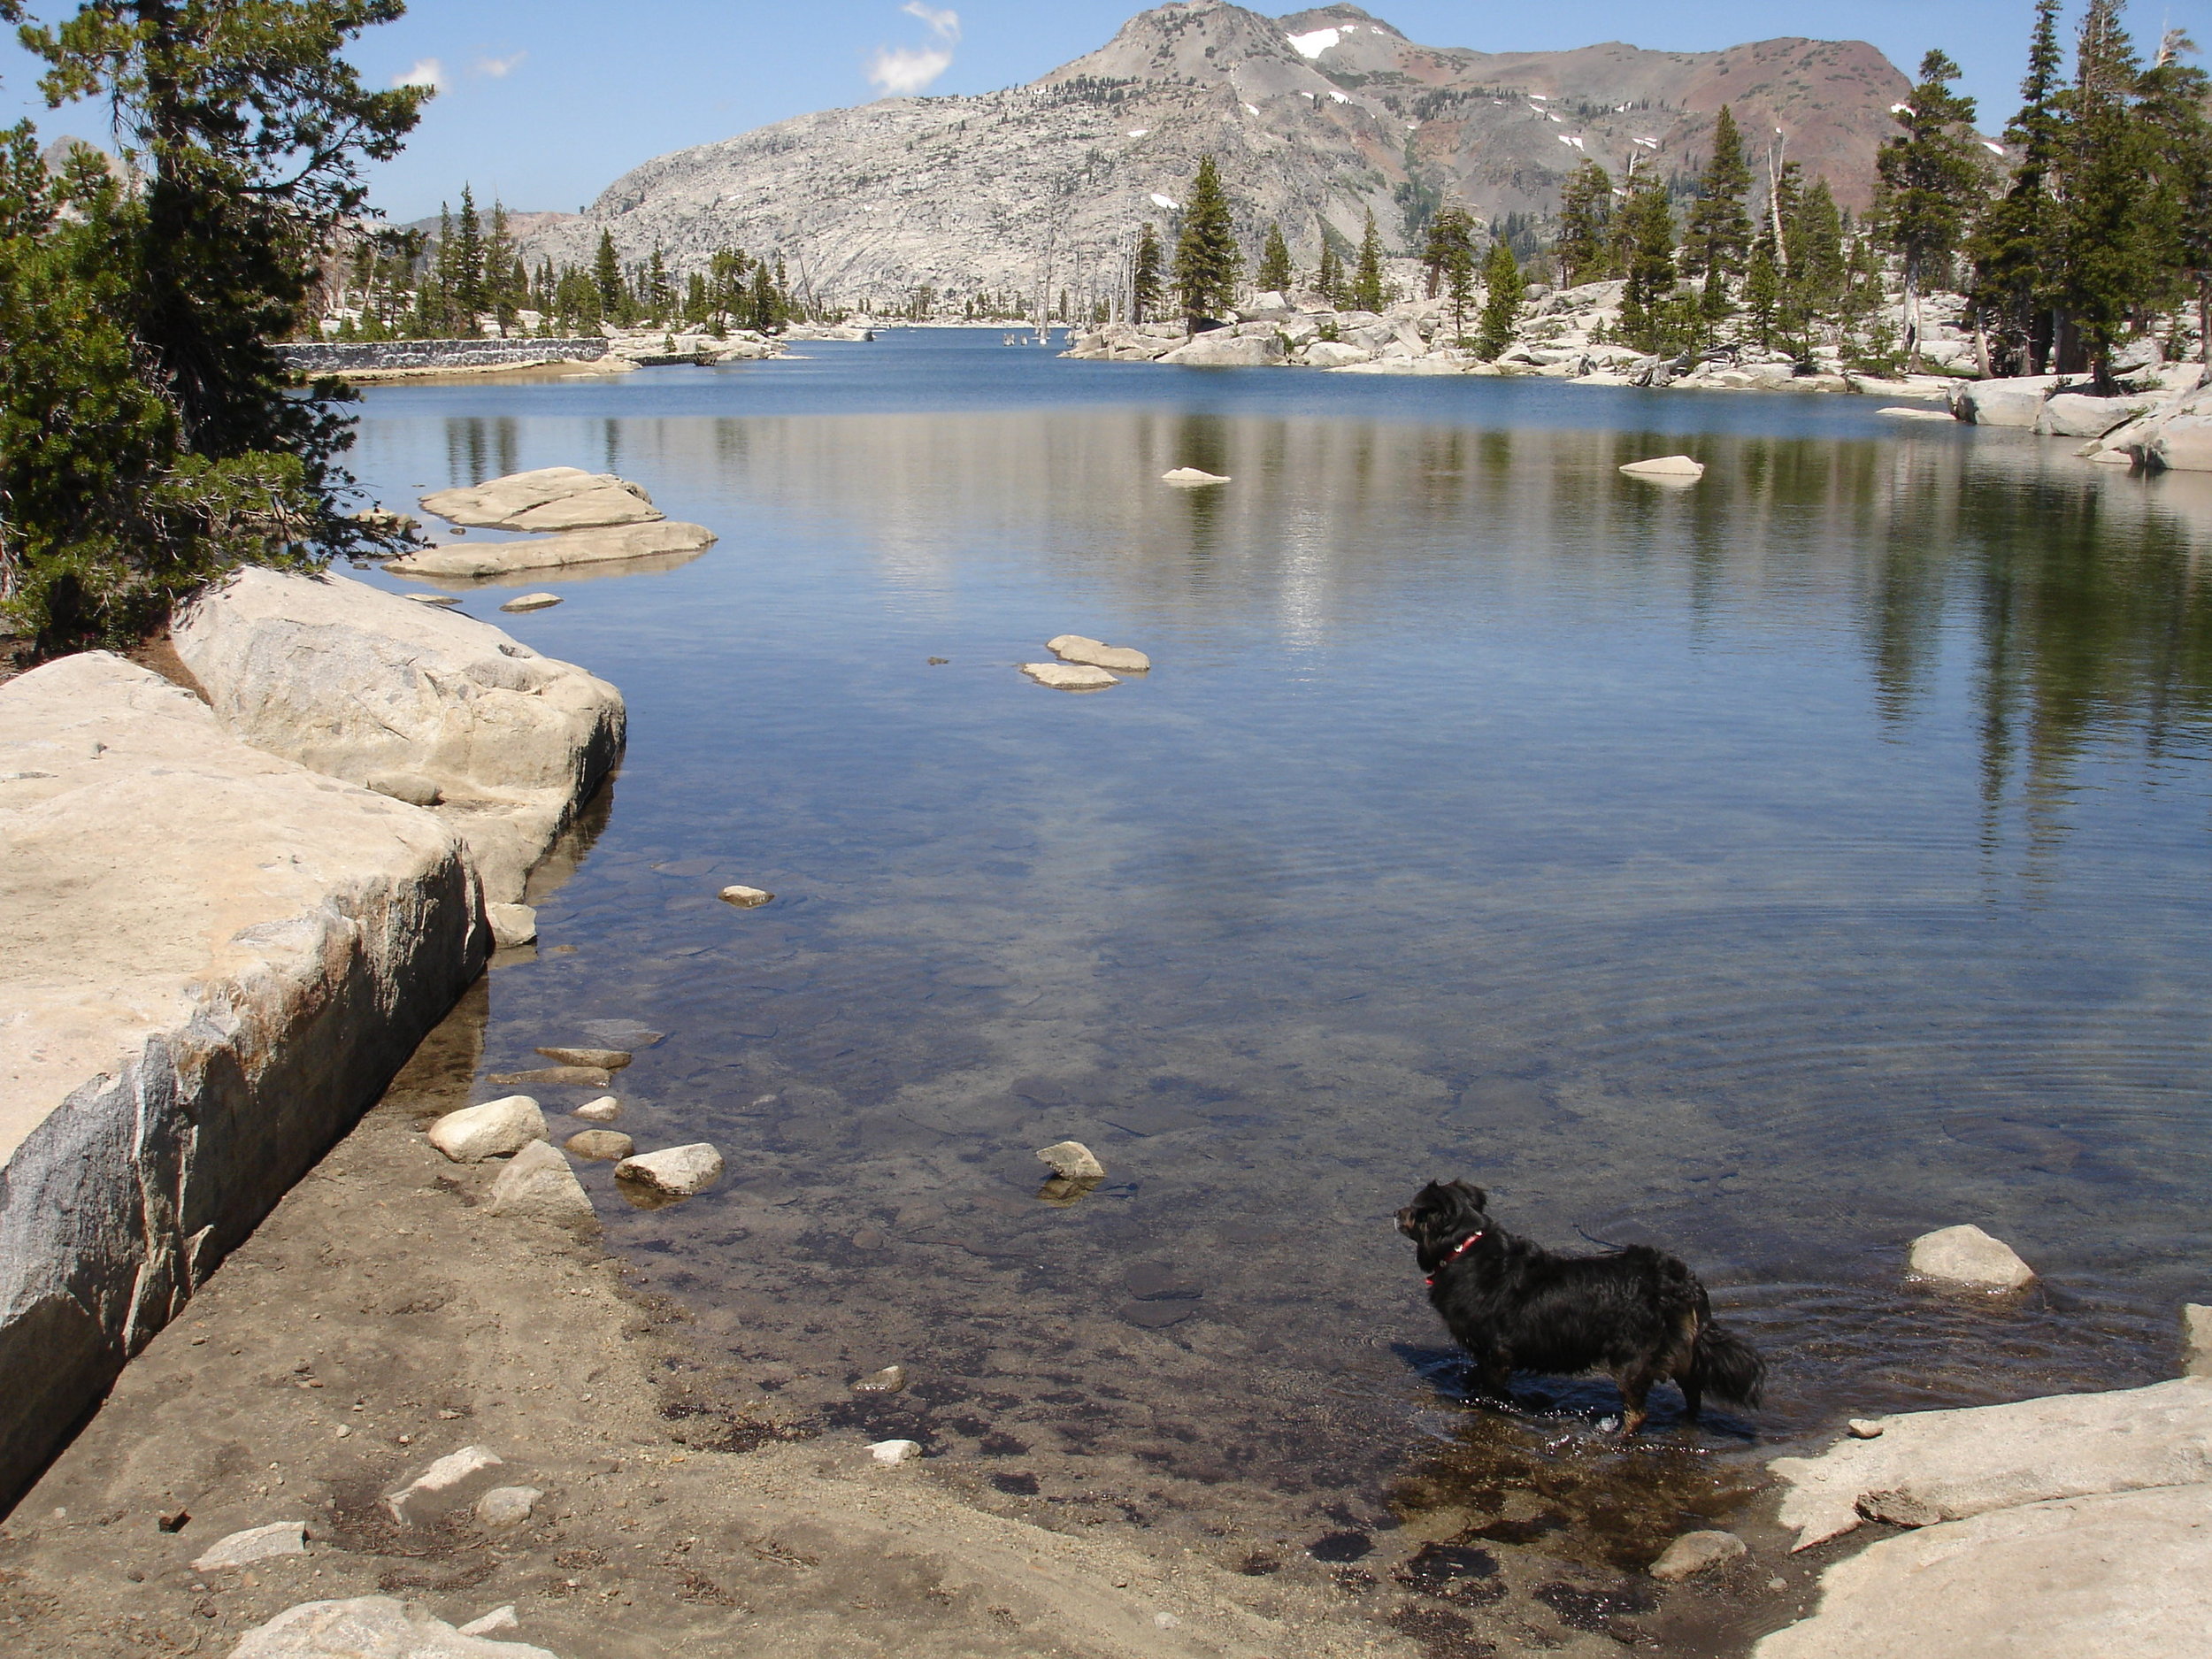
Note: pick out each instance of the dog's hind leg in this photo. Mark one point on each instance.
(1635, 1386)
(1692, 1395)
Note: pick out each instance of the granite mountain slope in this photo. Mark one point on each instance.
(1315, 118)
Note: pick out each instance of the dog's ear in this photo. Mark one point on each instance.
(1473, 1193)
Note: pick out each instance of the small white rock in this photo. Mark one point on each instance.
(492, 1130)
(1863, 1429)
(507, 1506)
(442, 1476)
(1073, 1161)
(513, 924)
(498, 1618)
(605, 1110)
(677, 1172)
(1069, 676)
(1076, 647)
(746, 898)
(893, 1451)
(1193, 475)
(256, 1543)
(1965, 1255)
(1694, 1553)
(1678, 467)
(531, 602)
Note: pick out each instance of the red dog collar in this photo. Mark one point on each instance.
(1464, 1245)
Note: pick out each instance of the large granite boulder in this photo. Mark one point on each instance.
(2119, 1576)
(2077, 415)
(1950, 1465)
(549, 498)
(370, 1627)
(1222, 350)
(369, 687)
(2184, 442)
(479, 559)
(2011, 403)
(215, 960)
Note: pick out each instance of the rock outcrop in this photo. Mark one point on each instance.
(362, 684)
(650, 540)
(547, 498)
(370, 1627)
(216, 958)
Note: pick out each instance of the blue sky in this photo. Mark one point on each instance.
(543, 102)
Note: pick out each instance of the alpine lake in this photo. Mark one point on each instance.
(1769, 869)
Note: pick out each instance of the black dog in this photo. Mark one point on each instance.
(1638, 1313)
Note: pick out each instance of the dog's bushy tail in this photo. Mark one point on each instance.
(1727, 1365)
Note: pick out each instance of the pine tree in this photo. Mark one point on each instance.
(1328, 276)
(1450, 254)
(1647, 225)
(1501, 305)
(2104, 265)
(613, 292)
(1762, 288)
(1718, 232)
(1586, 226)
(1144, 277)
(1207, 263)
(1274, 273)
(505, 300)
(2178, 138)
(659, 295)
(2014, 241)
(1931, 176)
(468, 264)
(1367, 286)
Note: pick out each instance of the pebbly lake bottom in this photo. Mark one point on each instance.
(1771, 871)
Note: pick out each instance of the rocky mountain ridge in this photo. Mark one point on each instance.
(1316, 119)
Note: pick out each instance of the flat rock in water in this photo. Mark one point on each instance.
(627, 1034)
(1897, 413)
(1965, 1255)
(1069, 676)
(605, 1110)
(601, 1145)
(1073, 1161)
(546, 498)
(538, 1184)
(370, 1627)
(1076, 648)
(573, 1076)
(675, 1171)
(1665, 468)
(513, 924)
(746, 898)
(256, 1543)
(1964, 1462)
(1694, 1553)
(605, 1059)
(1156, 1315)
(1193, 475)
(531, 602)
(577, 547)
(1149, 1281)
(492, 1130)
(444, 600)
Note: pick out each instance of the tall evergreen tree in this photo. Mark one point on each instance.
(1501, 301)
(1274, 273)
(1449, 252)
(2104, 269)
(1931, 176)
(2014, 241)
(2178, 139)
(1718, 232)
(505, 295)
(1647, 225)
(1144, 277)
(1586, 225)
(1328, 275)
(1762, 288)
(606, 275)
(468, 264)
(1368, 294)
(1207, 263)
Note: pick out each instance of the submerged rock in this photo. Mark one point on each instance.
(601, 1145)
(492, 1130)
(1073, 1161)
(1069, 676)
(605, 1059)
(1694, 1553)
(569, 1076)
(746, 898)
(1075, 647)
(577, 547)
(1965, 1255)
(889, 1381)
(675, 1171)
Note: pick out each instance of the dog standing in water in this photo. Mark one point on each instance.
(1638, 1313)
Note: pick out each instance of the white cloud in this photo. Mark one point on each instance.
(900, 71)
(500, 68)
(425, 71)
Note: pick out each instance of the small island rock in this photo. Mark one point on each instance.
(1073, 1161)
(605, 1110)
(746, 898)
(531, 602)
(675, 1171)
(1193, 475)
(492, 1130)
(1965, 1255)
(1069, 676)
(1680, 467)
(1075, 647)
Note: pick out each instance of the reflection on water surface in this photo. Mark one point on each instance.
(1772, 871)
